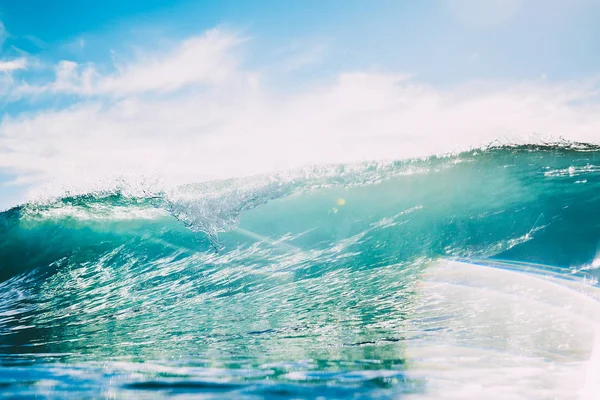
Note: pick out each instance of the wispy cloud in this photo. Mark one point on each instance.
(300, 55)
(194, 113)
(12, 65)
(198, 60)
(484, 13)
(3, 34)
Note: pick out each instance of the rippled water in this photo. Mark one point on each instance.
(449, 277)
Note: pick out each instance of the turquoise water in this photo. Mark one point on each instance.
(308, 284)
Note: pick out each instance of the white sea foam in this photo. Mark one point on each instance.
(499, 334)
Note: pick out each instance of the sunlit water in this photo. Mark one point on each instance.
(471, 276)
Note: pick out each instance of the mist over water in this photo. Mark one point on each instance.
(364, 280)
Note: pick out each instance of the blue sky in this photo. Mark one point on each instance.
(442, 41)
(415, 58)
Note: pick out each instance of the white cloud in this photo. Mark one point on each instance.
(8, 66)
(209, 118)
(204, 60)
(12, 65)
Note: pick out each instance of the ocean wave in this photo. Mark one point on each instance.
(321, 271)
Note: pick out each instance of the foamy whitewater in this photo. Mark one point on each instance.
(465, 276)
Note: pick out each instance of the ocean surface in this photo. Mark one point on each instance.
(471, 275)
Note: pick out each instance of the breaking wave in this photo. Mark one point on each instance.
(379, 279)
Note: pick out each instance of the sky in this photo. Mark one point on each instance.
(93, 93)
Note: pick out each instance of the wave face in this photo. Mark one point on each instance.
(313, 283)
